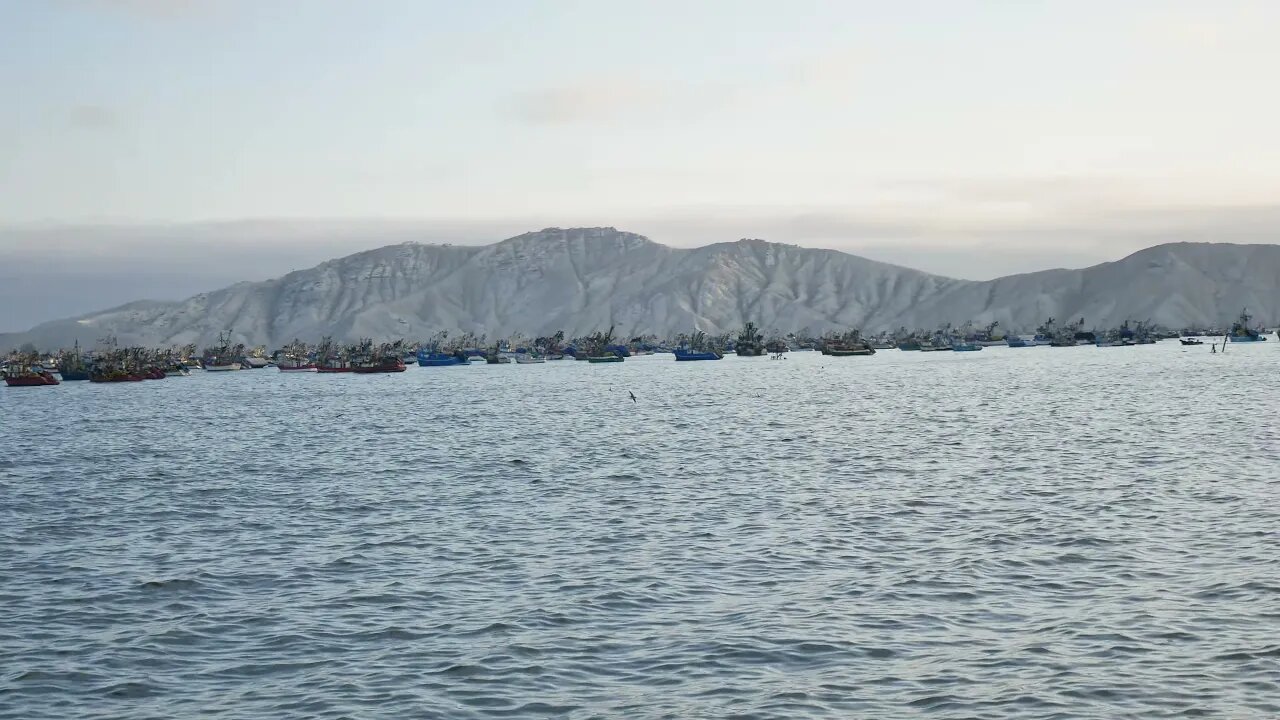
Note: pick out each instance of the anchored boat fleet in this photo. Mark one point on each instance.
(112, 364)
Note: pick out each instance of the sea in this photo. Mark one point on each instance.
(1012, 533)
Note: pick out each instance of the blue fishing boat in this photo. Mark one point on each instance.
(1241, 332)
(687, 354)
(965, 346)
(437, 359)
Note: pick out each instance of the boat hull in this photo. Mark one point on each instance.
(31, 380)
(333, 369)
(851, 353)
(222, 368)
(692, 356)
(438, 360)
(378, 369)
(1245, 338)
(298, 369)
(605, 359)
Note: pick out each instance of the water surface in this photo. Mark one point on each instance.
(1029, 533)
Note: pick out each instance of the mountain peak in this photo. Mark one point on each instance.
(587, 278)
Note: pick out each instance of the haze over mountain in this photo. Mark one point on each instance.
(583, 279)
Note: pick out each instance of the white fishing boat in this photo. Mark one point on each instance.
(211, 367)
(529, 359)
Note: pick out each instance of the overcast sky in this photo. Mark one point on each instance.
(966, 138)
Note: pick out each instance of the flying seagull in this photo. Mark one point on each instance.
(633, 396)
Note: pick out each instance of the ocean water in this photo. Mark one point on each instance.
(1029, 533)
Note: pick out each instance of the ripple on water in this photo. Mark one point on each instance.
(895, 536)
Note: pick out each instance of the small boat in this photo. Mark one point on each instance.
(253, 363)
(604, 359)
(390, 364)
(909, 345)
(71, 365)
(177, 371)
(850, 351)
(221, 367)
(750, 342)
(115, 376)
(1191, 341)
(965, 346)
(685, 354)
(1014, 341)
(439, 359)
(1241, 332)
(526, 358)
(296, 365)
(35, 376)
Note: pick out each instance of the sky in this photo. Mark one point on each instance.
(966, 138)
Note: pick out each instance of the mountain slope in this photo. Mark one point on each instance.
(584, 279)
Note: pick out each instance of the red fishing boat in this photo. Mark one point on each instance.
(29, 376)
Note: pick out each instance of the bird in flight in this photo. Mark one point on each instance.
(633, 396)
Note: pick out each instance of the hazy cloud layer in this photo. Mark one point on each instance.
(91, 267)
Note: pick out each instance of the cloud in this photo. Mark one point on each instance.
(143, 8)
(93, 117)
(591, 101)
(603, 100)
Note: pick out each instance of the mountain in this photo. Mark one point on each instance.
(583, 279)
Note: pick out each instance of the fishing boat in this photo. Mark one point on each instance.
(1241, 332)
(27, 375)
(850, 351)
(389, 364)
(1191, 341)
(965, 346)
(750, 343)
(528, 358)
(909, 345)
(439, 359)
(177, 371)
(295, 358)
(695, 347)
(71, 365)
(684, 354)
(223, 358)
(604, 359)
(1014, 341)
(114, 376)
